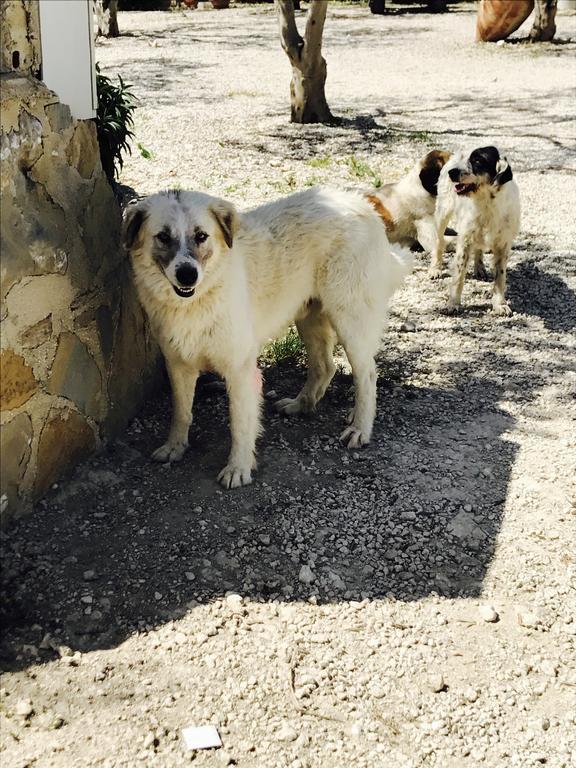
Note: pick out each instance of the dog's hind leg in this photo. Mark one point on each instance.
(183, 381)
(319, 339)
(245, 394)
(458, 274)
(437, 259)
(360, 338)
(499, 304)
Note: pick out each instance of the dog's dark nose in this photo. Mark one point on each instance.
(454, 174)
(187, 275)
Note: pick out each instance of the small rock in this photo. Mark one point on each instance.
(528, 619)
(271, 394)
(264, 538)
(190, 576)
(88, 599)
(471, 694)
(407, 327)
(488, 614)
(157, 596)
(436, 683)
(89, 575)
(306, 576)
(286, 733)
(24, 708)
(408, 514)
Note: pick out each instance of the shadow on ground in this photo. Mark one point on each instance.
(126, 544)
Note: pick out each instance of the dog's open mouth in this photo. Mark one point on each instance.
(184, 293)
(464, 189)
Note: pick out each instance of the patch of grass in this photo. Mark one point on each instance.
(286, 185)
(360, 169)
(287, 349)
(240, 94)
(147, 154)
(312, 181)
(320, 162)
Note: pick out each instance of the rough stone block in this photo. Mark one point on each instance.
(15, 440)
(65, 440)
(76, 376)
(17, 381)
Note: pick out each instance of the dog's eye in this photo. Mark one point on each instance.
(164, 237)
(200, 237)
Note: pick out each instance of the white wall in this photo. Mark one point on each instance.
(66, 35)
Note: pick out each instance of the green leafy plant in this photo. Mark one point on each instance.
(114, 122)
(362, 170)
(287, 349)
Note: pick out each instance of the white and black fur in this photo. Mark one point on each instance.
(478, 195)
(217, 284)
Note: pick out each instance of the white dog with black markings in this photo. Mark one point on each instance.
(217, 284)
(478, 195)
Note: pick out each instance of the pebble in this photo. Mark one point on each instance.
(24, 708)
(89, 575)
(286, 733)
(264, 538)
(471, 694)
(436, 683)
(408, 514)
(488, 614)
(157, 596)
(407, 327)
(528, 619)
(306, 576)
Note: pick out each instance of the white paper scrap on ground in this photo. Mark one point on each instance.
(201, 737)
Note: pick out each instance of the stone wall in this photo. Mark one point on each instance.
(75, 350)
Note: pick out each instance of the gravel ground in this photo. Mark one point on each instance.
(412, 604)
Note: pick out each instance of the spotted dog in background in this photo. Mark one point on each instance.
(478, 195)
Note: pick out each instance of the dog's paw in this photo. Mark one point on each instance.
(435, 273)
(169, 452)
(289, 406)
(234, 476)
(453, 307)
(502, 310)
(353, 437)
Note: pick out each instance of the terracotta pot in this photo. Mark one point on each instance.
(497, 19)
(219, 4)
(191, 3)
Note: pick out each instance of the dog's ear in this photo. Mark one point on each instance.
(134, 218)
(226, 218)
(432, 164)
(503, 172)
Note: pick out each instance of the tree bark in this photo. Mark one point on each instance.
(107, 17)
(544, 27)
(307, 95)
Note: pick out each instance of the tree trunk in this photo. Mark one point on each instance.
(377, 6)
(544, 27)
(107, 17)
(307, 97)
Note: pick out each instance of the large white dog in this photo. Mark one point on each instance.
(217, 284)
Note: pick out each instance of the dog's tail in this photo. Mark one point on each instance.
(402, 264)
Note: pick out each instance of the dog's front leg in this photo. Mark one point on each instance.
(183, 381)
(458, 274)
(245, 395)
(499, 304)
